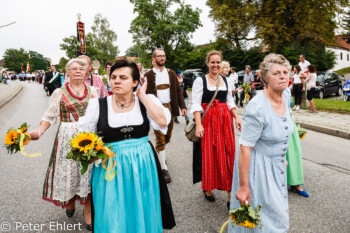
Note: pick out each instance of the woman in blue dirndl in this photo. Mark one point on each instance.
(260, 167)
(137, 198)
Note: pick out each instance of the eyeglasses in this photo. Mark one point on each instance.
(160, 56)
(76, 69)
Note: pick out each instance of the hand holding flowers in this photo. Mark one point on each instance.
(15, 139)
(88, 147)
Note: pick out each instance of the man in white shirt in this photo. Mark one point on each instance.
(162, 83)
(234, 77)
(303, 65)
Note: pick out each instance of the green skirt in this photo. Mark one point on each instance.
(294, 158)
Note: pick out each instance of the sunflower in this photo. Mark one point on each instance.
(11, 137)
(84, 141)
(246, 223)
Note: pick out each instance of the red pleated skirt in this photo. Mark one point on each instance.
(218, 147)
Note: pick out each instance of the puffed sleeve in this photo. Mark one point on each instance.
(88, 122)
(197, 93)
(167, 113)
(229, 100)
(53, 112)
(253, 124)
(94, 91)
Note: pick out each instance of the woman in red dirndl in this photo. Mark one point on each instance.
(214, 155)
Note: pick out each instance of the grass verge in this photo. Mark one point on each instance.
(333, 105)
(343, 71)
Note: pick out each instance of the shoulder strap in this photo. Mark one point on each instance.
(212, 99)
(92, 80)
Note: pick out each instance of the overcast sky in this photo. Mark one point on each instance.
(42, 24)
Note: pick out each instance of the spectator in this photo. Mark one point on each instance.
(234, 77)
(311, 86)
(304, 69)
(247, 79)
(297, 87)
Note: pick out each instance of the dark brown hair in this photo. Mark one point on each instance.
(312, 68)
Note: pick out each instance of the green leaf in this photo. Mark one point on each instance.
(85, 166)
(251, 212)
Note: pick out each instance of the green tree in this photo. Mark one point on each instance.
(278, 23)
(156, 26)
(99, 43)
(14, 58)
(234, 19)
(37, 61)
(62, 64)
(138, 50)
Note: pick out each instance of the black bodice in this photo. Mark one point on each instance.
(207, 95)
(110, 134)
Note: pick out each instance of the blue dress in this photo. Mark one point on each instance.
(268, 134)
(137, 199)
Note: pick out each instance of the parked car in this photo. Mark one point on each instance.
(328, 83)
(190, 75)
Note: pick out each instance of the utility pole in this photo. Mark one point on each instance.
(7, 24)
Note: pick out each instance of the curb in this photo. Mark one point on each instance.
(2, 103)
(334, 132)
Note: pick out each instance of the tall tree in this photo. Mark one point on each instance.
(156, 26)
(138, 50)
(14, 58)
(37, 61)
(346, 26)
(62, 64)
(234, 20)
(100, 43)
(301, 23)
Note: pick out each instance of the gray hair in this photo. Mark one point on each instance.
(248, 66)
(77, 60)
(270, 60)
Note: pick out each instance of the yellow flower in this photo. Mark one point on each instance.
(303, 136)
(84, 141)
(26, 141)
(11, 137)
(246, 223)
(24, 129)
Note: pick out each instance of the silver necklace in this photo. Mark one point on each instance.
(121, 105)
(76, 92)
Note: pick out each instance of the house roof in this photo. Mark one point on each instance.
(340, 42)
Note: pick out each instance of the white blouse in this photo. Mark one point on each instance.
(197, 93)
(88, 123)
(297, 79)
(311, 81)
(53, 112)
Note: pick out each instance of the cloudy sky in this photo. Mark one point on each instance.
(42, 24)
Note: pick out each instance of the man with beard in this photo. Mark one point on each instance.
(162, 82)
(52, 80)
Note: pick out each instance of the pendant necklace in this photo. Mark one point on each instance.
(121, 105)
(77, 93)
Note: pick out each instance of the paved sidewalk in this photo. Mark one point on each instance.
(7, 92)
(324, 122)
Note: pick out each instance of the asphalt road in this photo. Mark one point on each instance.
(326, 172)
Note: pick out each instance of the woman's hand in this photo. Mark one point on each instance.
(243, 194)
(238, 124)
(35, 134)
(142, 90)
(200, 131)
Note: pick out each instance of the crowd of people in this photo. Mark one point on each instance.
(122, 110)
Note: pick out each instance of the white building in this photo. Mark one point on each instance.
(342, 52)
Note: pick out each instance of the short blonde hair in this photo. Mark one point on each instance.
(212, 53)
(270, 60)
(77, 60)
(224, 64)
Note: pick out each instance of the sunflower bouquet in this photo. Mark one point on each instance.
(86, 147)
(244, 216)
(105, 80)
(302, 132)
(246, 88)
(15, 137)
